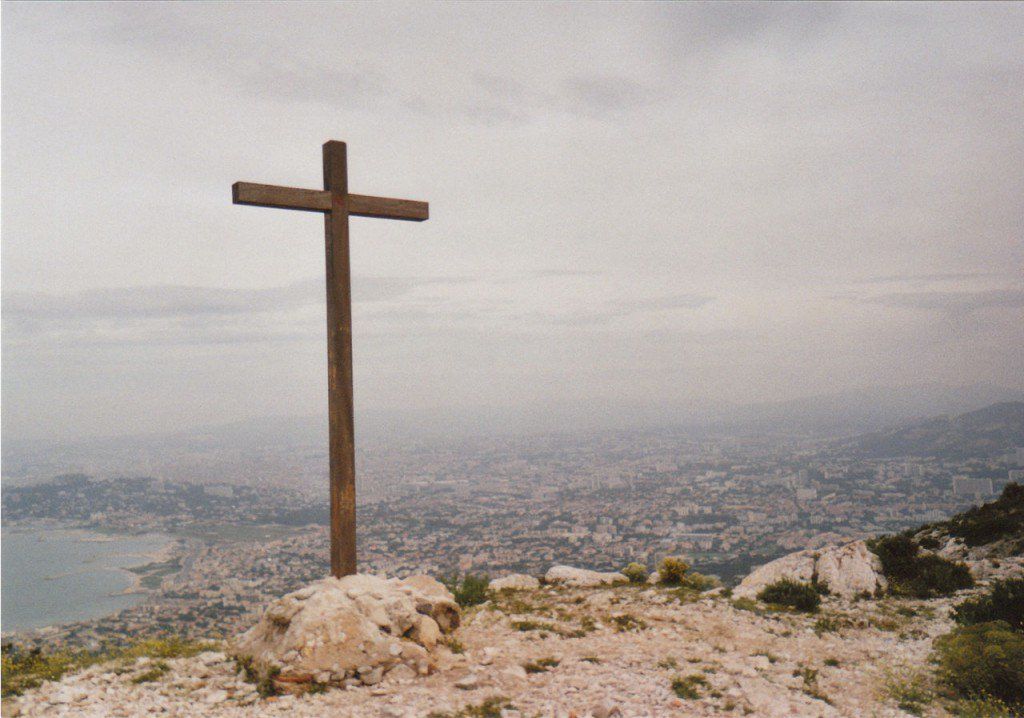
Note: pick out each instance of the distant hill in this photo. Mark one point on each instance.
(987, 432)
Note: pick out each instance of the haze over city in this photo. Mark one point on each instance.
(638, 212)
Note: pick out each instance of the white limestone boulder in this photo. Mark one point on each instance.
(583, 578)
(847, 570)
(514, 582)
(850, 570)
(354, 628)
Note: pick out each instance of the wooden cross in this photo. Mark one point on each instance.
(337, 205)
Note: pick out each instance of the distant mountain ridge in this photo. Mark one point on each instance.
(984, 433)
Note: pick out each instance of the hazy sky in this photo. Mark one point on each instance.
(631, 205)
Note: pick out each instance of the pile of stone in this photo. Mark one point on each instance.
(349, 631)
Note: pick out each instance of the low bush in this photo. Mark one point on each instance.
(694, 581)
(1004, 601)
(985, 660)
(689, 687)
(796, 595)
(911, 573)
(672, 570)
(469, 590)
(635, 572)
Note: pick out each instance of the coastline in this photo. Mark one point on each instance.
(139, 557)
(162, 555)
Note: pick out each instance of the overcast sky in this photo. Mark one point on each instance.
(631, 205)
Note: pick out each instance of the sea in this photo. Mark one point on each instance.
(50, 576)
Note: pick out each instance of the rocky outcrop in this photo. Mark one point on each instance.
(514, 582)
(848, 570)
(348, 631)
(583, 578)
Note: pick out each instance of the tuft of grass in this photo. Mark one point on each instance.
(830, 624)
(689, 687)
(811, 688)
(534, 626)
(669, 662)
(625, 622)
(591, 659)
(154, 673)
(831, 662)
(469, 590)
(454, 644)
(490, 708)
(794, 594)
(541, 665)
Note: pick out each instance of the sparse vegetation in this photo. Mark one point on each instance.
(910, 688)
(469, 590)
(911, 573)
(985, 660)
(635, 572)
(27, 669)
(794, 594)
(490, 708)
(1004, 601)
(689, 687)
(831, 662)
(591, 659)
(832, 623)
(532, 626)
(627, 622)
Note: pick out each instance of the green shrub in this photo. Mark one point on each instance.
(797, 595)
(694, 581)
(672, 569)
(1002, 518)
(1004, 601)
(911, 573)
(981, 661)
(635, 572)
(470, 590)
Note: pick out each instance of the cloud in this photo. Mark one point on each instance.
(30, 312)
(934, 277)
(952, 302)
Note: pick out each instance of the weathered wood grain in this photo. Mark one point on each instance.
(336, 204)
(314, 200)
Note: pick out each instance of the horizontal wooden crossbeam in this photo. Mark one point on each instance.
(315, 200)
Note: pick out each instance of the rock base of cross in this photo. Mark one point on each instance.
(346, 632)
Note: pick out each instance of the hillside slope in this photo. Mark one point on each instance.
(987, 432)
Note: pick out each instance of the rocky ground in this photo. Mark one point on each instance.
(574, 651)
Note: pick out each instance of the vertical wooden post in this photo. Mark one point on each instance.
(341, 423)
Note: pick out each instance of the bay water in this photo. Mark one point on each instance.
(51, 576)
